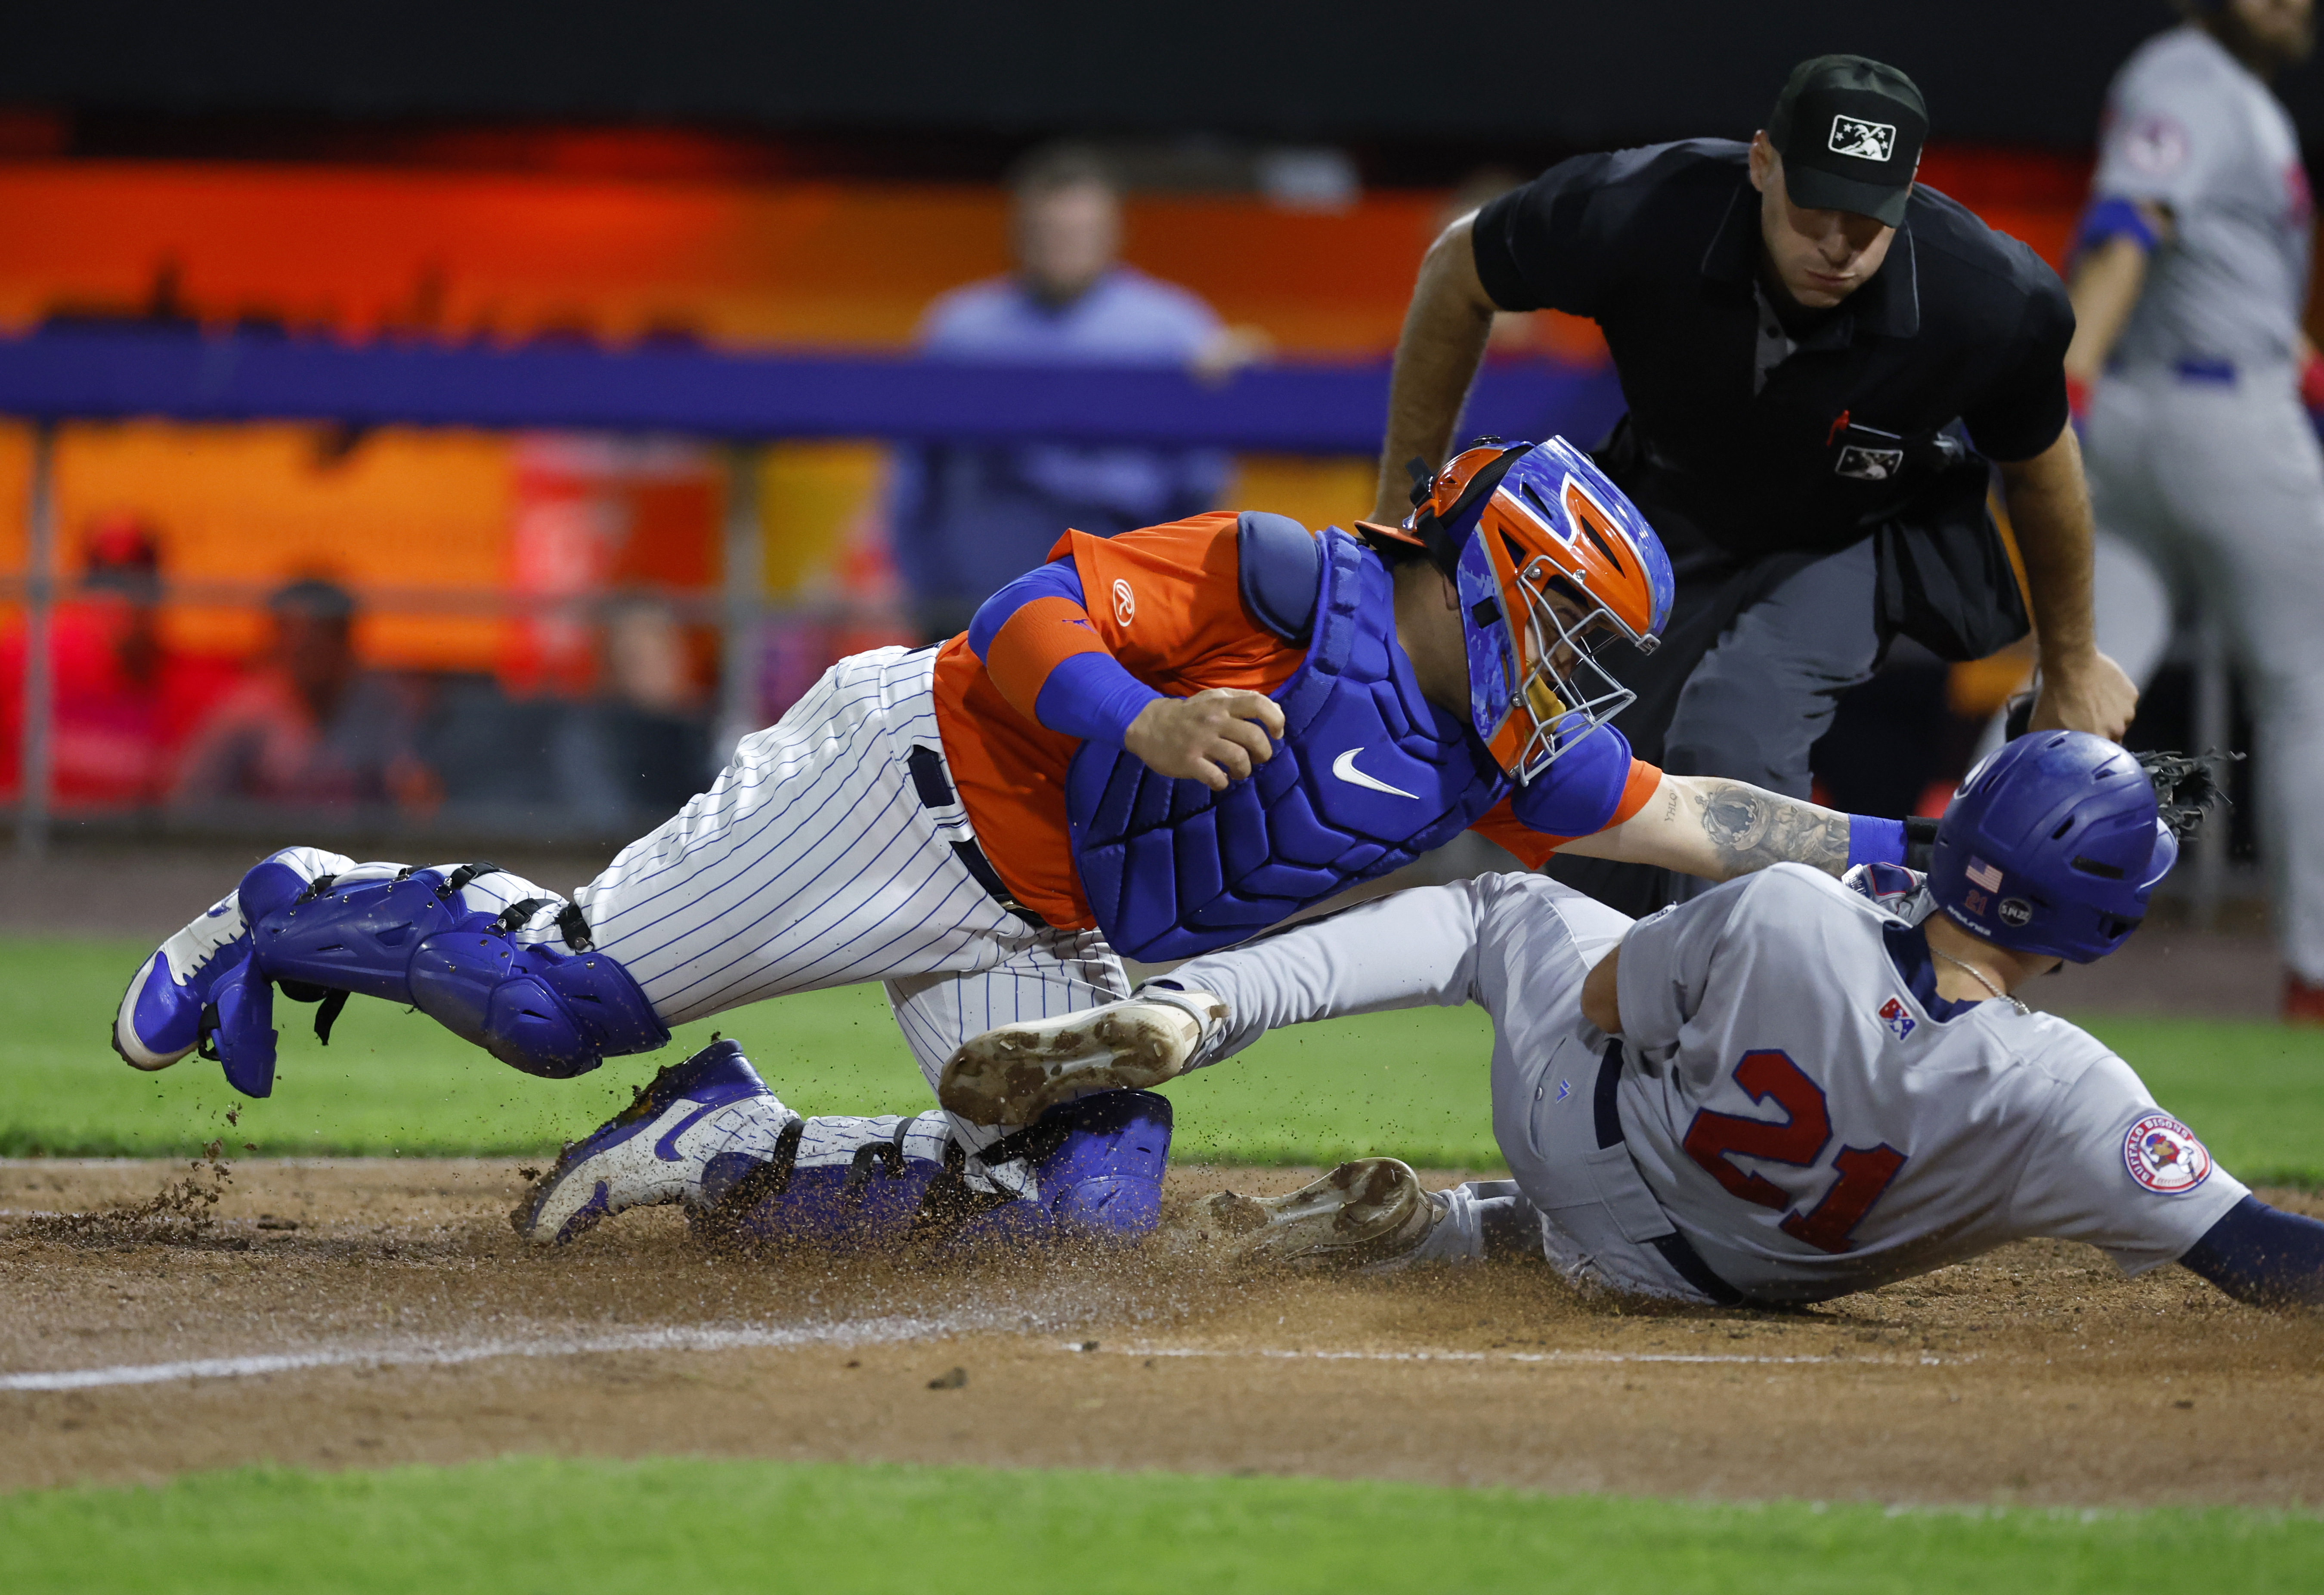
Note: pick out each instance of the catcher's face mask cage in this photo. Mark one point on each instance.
(1558, 559)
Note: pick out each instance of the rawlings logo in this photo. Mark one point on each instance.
(1125, 602)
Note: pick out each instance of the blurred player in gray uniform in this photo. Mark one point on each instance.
(2188, 295)
(1785, 1090)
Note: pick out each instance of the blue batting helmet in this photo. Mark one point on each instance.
(2052, 845)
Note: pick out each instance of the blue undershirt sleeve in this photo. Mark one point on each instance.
(1875, 841)
(1090, 695)
(2263, 1255)
(1057, 579)
(2113, 216)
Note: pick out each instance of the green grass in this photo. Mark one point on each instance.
(519, 1525)
(393, 1083)
(2255, 1093)
(1411, 1083)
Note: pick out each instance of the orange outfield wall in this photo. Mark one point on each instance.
(511, 255)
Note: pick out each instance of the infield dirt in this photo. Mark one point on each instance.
(408, 1325)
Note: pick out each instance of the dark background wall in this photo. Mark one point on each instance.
(1536, 75)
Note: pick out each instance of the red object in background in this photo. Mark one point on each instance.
(123, 701)
(2303, 1004)
(593, 516)
(124, 704)
(2311, 380)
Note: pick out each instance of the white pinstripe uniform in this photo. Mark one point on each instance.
(812, 862)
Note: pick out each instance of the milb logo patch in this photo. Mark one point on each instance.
(1899, 1020)
(1866, 140)
(1870, 464)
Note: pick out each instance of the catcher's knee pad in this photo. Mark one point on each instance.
(413, 939)
(1095, 1171)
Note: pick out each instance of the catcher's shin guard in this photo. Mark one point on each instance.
(1095, 1170)
(413, 938)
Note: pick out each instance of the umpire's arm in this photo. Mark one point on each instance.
(1436, 358)
(2050, 510)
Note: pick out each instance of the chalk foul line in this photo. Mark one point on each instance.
(859, 1332)
(866, 1332)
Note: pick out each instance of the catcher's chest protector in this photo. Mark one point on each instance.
(1368, 775)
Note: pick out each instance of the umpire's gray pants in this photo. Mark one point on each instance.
(2222, 484)
(1768, 686)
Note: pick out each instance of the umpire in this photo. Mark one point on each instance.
(1801, 333)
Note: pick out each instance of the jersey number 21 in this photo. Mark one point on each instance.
(1798, 1140)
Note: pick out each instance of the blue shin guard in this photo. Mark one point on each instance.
(412, 939)
(1096, 1167)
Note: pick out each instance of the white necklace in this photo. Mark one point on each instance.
(1978, 975)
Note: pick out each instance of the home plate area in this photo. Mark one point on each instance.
(349, 1313)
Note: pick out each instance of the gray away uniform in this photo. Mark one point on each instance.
(1783, 1097)
(2200, 455)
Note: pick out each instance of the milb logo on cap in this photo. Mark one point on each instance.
(1866, 140)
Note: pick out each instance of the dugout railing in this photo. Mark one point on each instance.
(65, 372)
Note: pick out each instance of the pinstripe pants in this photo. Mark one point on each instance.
(811, 862)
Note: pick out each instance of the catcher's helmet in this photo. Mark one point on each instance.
(2052, 845)
(1544, 552)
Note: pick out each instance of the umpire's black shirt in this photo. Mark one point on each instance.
(1660, 247)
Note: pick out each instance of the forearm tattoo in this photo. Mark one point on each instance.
(1751, 828)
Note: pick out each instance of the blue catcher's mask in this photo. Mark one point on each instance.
(1552, 562)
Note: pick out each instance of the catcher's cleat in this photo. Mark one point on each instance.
(162, 1015)
(1365, 1212)
(1014, 1073)
(711, 1107)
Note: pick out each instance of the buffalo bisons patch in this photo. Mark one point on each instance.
(2163, 1155)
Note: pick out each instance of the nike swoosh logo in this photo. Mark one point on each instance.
(666, 1148)
(1344, 767)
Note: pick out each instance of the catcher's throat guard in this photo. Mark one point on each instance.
(1548, 557)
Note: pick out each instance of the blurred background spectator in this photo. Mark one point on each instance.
(308, 726)
(965, 520)
(123, 698)
(651, 716)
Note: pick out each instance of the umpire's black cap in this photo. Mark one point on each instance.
(1849, 131)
